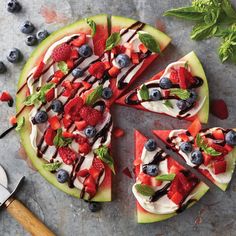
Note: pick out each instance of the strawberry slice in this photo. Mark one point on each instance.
(182, 79)
(207, 158)
(142, 48)
(74, 54)
(195, 127)
(84, 148)
(114, 71)
(174, 78)
(145, 179)
(66, 122)
(74, 105)
(82, 173)
(86, 85)
(39, 70)
(184, 137)
(50, 95)
(80, 125)
(97, 69)
(177, 198)
(68, 156)
(66, 134)
(135, 58)
(61, 52)
(219, 167)
(218, 134)
(90, 115)
(49, 136)
(79, 41)
(54, 122)
(94, 172)
(118, 132)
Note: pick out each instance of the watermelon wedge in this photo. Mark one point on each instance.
(181, 191)
(186, 97)
(217, 157)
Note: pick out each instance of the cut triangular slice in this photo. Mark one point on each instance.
(180, 91)
(175, 190)
(211, 151)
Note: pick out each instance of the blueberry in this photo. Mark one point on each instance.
(165, 83)
(182, 104)
(13, 6)
(151, 145)
(85, 51)
(57, 106)
(186, 147)
(155, 95)
(193, 97)
(151, 169)
(196, 158)
(123, 60)
(62, 176)
(14, 55)
(94, 206)
(230, 138)
(31, 40)
(41, 117)
(42, 34)
(77, 72)
(107, 93)
(90, 131)
(27, 27)
(3, 68)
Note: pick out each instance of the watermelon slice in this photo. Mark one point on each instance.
(218, 158)
(178, 73)
(182, 191)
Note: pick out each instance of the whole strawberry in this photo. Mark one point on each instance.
(61, 52)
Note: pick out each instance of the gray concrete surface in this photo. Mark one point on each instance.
(67, 216)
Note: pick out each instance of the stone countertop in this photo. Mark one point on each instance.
(214, 214)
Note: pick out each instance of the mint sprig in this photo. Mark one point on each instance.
(143, 92)
(60, 141)
(165, 177)
(150, 42)
(51, 166)
(112, 41)
(145, 190)
(94, 96)
(181, 93)
(92, 25)
(104, 155)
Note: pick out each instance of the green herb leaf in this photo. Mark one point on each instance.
(60, 141)
(149, 42)
(203, 31)
(181, 93)
(63, 67)
(166, 177)
(168, 104)
(186, 13)
(208, 150)
(20, 123)
(145, 190)
(143, 92)
(94, 96)
(51, 166)
(103, 154)
(92, 25)
(112, 41)
(228, 9)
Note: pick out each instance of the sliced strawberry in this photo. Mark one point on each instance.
(13, 120)
(184, 137)
(219, 148)
(68, 156)
(82, 173)
(39, 70)
(67, 93)
(90, 190)
(80, 125)
(98, 164)
(90, 182)
(61, 52)
(218, 134)
(107, 65)
(135, 58)
(177, 198)
(145, 179)
(70, 63)
(195, 127)
(166, 93)
(90, 115)
(66, 134)
(50, 95)
(114, 71)
(219, 167)
(5, 97)
(155, 182)
(79, 41)
(228, 147)
(94, 172)
(59, 74)
(182, 79)
(84, 148)
(66, 122)
(118, 132)
(142, 48)
(86, 85)
(174, 78)
(67, 84)
(97, 69)
(54, 122)
(49, 136)
(207, 159)
(76, 85)
(74, 105)
(80, 139)
(74, 54)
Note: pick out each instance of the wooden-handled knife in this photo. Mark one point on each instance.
(18, 211)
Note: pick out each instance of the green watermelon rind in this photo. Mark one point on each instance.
(146, 217)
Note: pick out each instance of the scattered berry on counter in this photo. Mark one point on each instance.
(165, 83)
(186, 147)
(85, 51)
(41, 35)
(90, 131)
(155, 95)
(196, 157)
(123, 60)
(6, 97)
(94, 206)
(14, 55)
(151, 145)
(3, 68)
(62, 176)
(13, 6)
(27, 27)
(57, 106)
(12, 120)
(31, 40)
(41, 117)
(118, 132)
(107, 93)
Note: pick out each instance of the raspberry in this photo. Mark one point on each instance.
(68, 156)
(61, 52)
(90, 115)
(98, 164)
(80, 139)
(97, 69)
(5, 97)
(74, 105)
(84, 148)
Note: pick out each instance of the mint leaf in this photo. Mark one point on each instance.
(212, 152)
(51, 166)
(103, 154)
(20, 123)
(63, 67)
(60, 141)
(94, 96)
(112, 41)
(168, 103)
(92, 25)
(31, 99)
(145, 190)
(143, 92)
(203, 31)
(181, 93)
(149, 42)
(228, 9)
(186, 13)
(165, 177)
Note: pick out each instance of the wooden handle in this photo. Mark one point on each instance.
(27, 219)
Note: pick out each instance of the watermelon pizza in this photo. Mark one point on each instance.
(64, 96)
(211, 151)
(180, 91)
(163, 187)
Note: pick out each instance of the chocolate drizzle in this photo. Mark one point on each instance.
(160, 193)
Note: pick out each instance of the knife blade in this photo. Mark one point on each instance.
(3, 177)
(4, 194)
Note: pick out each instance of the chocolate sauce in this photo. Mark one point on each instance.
(7, 131)
(137, 23)
(160, 193)
(100, 104)
(138, 29)
(185, 205)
